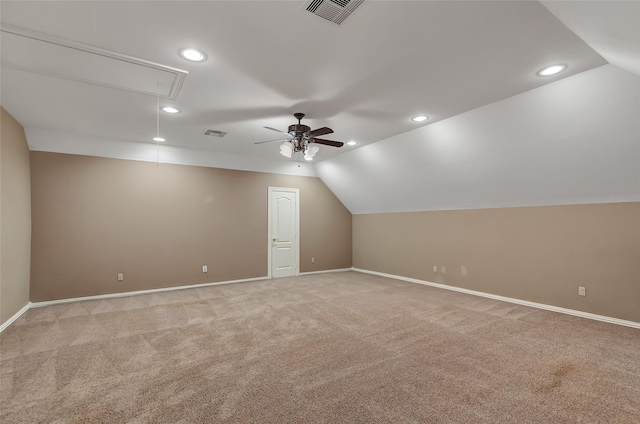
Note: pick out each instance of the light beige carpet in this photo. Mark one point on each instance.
(327, 348)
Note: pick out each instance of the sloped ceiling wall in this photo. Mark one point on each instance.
(574, 141)
(612, 28)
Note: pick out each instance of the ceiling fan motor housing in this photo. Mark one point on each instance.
(299, 129)
(300, 134)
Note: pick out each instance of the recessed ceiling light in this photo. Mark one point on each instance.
(193, 55)
(351, 143)
(551, 70)
(170, 109)
(419, 118)
(158, 139)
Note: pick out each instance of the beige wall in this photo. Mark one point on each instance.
(158, 224)
(540, 254)
(15, 217)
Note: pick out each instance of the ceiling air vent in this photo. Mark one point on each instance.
(335, 11)
(214, 133)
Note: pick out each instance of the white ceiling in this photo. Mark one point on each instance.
(612, 28)
(579, 142)
(388, 61)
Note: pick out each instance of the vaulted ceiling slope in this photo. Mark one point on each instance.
(492, 138)
(574, 141)
(612, 28)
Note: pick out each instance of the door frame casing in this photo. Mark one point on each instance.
(296, 242)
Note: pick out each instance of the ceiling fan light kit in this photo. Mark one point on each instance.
(286, 150)
(311, 152)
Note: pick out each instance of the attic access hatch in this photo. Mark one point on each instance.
(52, 56)
(335, 11)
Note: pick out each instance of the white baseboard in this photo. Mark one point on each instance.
(116, 295)
(509, 299)
(15, 316)
(135, 293)
(397, 277)
(326, 270)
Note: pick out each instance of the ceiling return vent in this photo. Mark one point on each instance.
(214, 133)
(335, 11)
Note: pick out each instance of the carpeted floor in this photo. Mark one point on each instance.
(326, 348)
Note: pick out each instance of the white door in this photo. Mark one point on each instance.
(283, 232)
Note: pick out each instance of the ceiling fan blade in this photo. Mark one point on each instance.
(327, 142)
(320, 131)
(271, 141)
(276, 130)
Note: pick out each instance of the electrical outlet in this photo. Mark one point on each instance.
(435, 268)
(204, 268)
(313, 260)
(120, 277)
(582, 291)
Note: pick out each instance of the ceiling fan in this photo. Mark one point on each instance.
(300, 137)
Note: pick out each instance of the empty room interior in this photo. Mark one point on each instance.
(332, 211)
